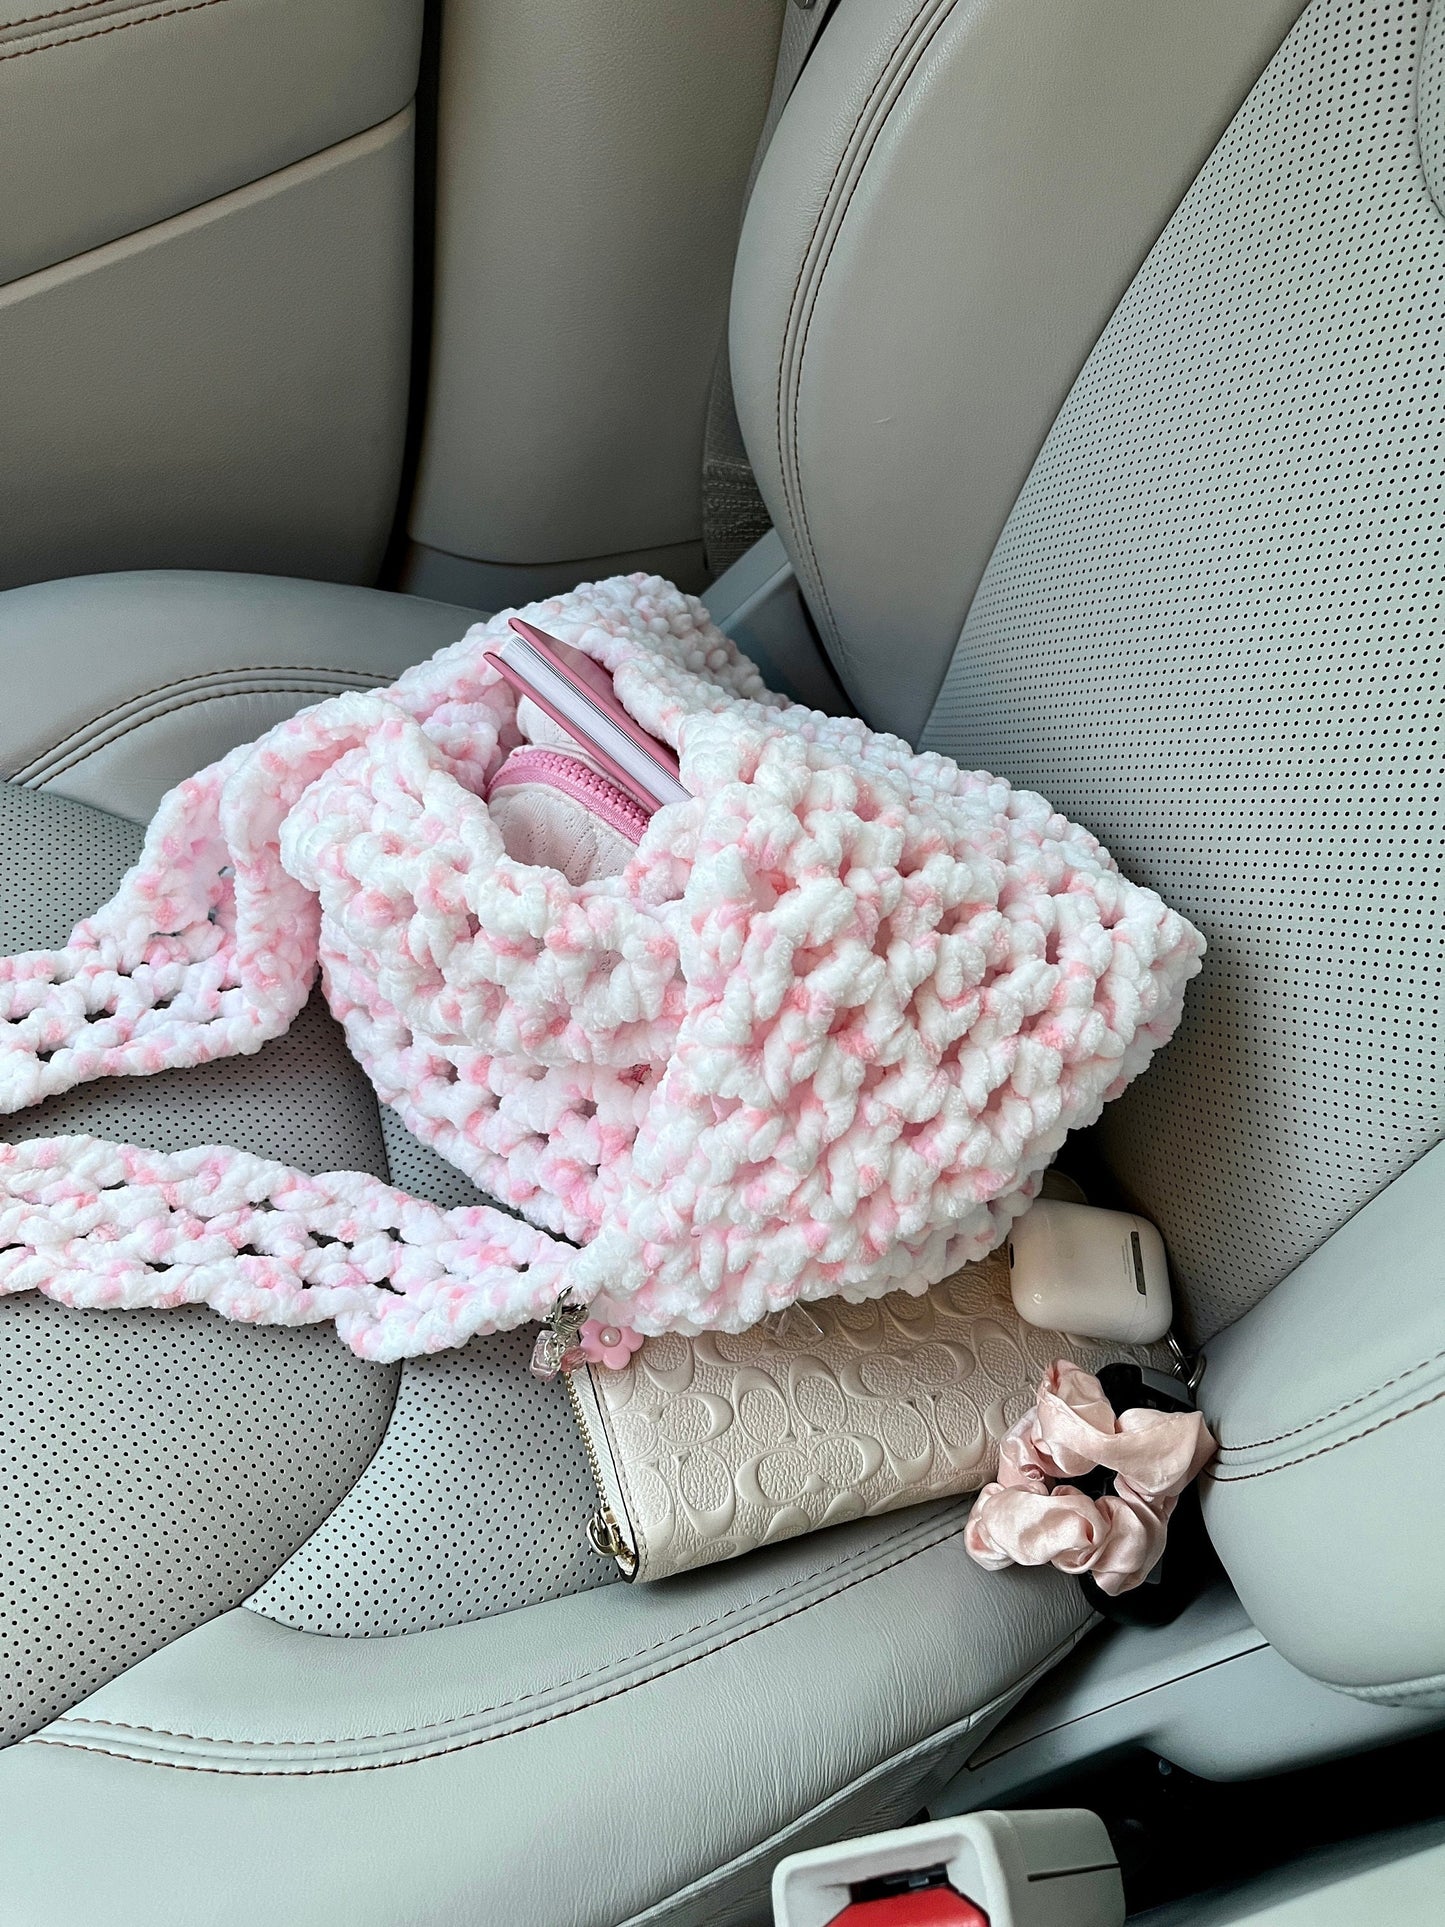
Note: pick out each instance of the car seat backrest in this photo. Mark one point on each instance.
(1212, 627)
(951, 206)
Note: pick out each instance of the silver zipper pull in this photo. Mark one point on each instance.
(557, 1339)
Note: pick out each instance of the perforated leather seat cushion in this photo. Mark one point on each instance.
(155, 1468)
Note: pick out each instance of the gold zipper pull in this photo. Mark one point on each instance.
(604, 1535)
(557, 1339)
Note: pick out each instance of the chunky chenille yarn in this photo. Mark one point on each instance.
(819, 1038)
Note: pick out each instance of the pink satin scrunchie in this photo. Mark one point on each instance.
(1026, 1518)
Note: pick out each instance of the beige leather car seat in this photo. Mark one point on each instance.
(1130, 496)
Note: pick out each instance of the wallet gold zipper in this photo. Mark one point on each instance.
(606, 1533)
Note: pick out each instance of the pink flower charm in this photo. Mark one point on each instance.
(609, 1345)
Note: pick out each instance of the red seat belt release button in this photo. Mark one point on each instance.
(928, 1907)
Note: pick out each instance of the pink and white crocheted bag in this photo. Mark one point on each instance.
(820, 1036)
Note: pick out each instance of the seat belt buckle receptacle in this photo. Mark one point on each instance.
(1055, 1868)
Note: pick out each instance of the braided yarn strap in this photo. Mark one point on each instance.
(111, 1225)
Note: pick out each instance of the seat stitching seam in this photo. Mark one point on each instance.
(915, 56)
(99, 33)
(784, 416)
(501, 1706)
(462, 1746)
(170, 709)
(209, 675)
(56, 13)
(1238, 1478)
(1320, 1418)
(843, 152)
(239, 669)
(85, 730)
(818, 280)
(1373, 1690)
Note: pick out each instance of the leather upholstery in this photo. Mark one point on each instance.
(591, 1759)
(590, 169)
(476, 1503)
(1210, 628)
(1329, 1404)
(952, 204)
(151, 1476)
(632, 1754)
(226, 388)
(1430, 106)
(119, 685)
(148, 1470)
(117, 113)
(149, 1479)
(1160, 644)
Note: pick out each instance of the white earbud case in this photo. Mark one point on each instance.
(1102, 1274)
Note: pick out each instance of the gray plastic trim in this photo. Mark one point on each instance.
(1208, 1693)
(759, 604)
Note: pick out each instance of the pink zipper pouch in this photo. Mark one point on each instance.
(561, 800)
(555, 807)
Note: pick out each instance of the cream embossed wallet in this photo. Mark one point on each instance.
(704, 1448)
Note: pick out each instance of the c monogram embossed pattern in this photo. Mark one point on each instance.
(724, 1443)
(819, 1037)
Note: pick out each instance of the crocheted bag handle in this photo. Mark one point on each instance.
(114, 1226)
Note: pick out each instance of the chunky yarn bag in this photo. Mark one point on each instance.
(819, 1038)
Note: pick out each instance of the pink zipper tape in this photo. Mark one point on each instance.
(555, 769)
